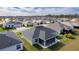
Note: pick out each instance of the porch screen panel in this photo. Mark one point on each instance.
(41, 41)
(50, 41)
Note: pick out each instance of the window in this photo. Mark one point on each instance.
(50, 41)
(18, 46)
(36, 40)
(41, 41)
(12, 26)
(9, 25)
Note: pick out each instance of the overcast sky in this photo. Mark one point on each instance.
(25, 11)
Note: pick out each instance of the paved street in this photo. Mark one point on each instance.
(20, 29)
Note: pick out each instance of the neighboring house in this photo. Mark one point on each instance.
(60, 27)
(19, 19)
(6, 20)
(67, 25)
(47, 21)
(63, 19)
(9, 42)
(75, 22)
(55, 26)
(32, 22)
(28, 22)
(41, 35)
(12, 24)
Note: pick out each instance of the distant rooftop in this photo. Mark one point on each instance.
(13, 22)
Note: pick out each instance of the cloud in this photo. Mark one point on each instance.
(24, 11)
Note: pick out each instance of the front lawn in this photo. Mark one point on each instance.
(3, 29)
(9, 28)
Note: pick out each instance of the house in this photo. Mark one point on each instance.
(41, 35)
(54, 26)
(32, 22)
(75, 22)
(19, 19)
(67, 25)
(60, 27)
(10, 42)
(12, 24)
(28, 22)
(63, 19)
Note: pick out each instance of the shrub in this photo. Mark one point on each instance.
(59, 37)
(29, 25)
(69, 36)
(23, 25)
(18, 33)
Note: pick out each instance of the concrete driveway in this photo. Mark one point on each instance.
(20, 29)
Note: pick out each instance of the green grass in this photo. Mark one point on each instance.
(67, 38)
(38, 47)
(56, 46)
(1, 29)
(46, 49)
(27, 45)
(9, 28)
(64, 39)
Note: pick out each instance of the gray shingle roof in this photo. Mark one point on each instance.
(47, 32)
(12, 22)
(55, 26)
(36, 32)
(8, 39)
